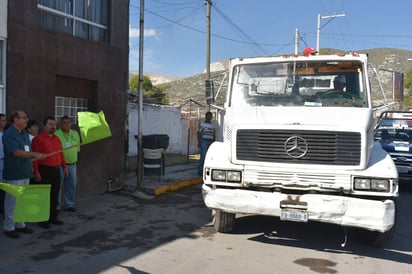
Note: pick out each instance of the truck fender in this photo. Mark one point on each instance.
(218, 156)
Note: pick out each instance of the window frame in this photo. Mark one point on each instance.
(72, 109)
(75, 19)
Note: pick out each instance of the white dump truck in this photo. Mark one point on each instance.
(299, 146)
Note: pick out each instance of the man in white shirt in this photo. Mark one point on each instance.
(206, 135)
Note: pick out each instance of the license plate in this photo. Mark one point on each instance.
(294, 216)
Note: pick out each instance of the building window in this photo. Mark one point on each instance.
(87, 19)
(69, 106)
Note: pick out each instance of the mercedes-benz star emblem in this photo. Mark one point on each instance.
(296, 147)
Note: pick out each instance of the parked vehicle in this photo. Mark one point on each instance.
(297, 148)
(394, 132)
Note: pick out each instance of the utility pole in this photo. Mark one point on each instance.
(296, 42)
(208, 84)
(330, 17)
(140, 109)
(208, 3)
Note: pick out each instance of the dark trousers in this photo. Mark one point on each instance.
(51, 176)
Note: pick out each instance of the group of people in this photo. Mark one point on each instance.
(29, 157)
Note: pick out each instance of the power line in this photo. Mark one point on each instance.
(284, 47)
(346, 20)
(369, 35)
(174, 3)
(214, 35)
(174, 10)
(247, 40)
(357, 39)
(251, 42)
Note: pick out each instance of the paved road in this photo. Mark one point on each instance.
(172, 233)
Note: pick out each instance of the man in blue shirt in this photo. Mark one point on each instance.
(18, 168)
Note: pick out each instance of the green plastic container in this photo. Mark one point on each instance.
(33, 205)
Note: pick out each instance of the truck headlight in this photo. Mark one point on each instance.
(380, 185)
(226, 176)
(218, 175)
(362, 184)
(371, 184)
(233, 176)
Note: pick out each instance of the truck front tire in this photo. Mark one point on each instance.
(223, 222)
(373, 237)
(377, 238)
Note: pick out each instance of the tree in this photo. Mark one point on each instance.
(157, 95)
(134, 84)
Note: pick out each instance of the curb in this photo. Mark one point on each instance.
(176, 186)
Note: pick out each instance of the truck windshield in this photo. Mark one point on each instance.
(304, 83)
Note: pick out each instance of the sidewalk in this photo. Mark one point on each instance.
(109, 229)
(175, 177)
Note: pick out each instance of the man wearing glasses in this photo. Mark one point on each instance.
(18, 168)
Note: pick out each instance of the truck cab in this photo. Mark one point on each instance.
(300, 149)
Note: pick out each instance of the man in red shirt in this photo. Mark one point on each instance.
(47, 171)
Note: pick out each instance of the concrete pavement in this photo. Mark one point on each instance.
(106, 226)
(175, 177)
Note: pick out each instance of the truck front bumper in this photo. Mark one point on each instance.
(346, 211)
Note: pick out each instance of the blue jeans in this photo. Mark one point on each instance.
(67, 187)
(204, 146)
(9, 204)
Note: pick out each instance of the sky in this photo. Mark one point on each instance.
(175, 30)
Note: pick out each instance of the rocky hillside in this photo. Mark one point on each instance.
(194, 88)
(156, 79)
(385, 60)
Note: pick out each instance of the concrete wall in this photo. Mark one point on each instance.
(159, 119)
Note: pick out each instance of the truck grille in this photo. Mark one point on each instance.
(402, 159)
(321, 147)
(297, 179)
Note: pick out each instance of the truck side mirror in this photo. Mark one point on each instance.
(209, 92)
